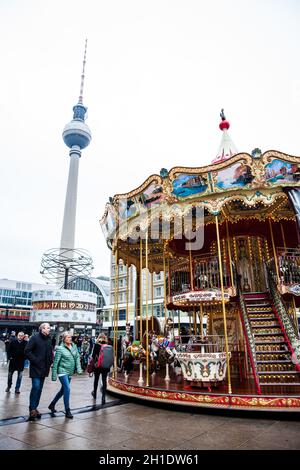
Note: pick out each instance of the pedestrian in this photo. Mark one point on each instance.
(107, 362)
(39, 352)
(85, 347)
(12, 336)
(66, 363)
(26, 363)
(16, 357)
(6, 343)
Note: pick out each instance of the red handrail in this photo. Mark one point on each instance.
(258, 389)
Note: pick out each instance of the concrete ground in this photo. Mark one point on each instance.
(129, 425)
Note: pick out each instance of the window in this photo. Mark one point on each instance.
(157, 277)
(122, 314)
(158, 310)
(158, 292)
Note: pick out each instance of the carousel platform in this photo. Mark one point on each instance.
(178, 392)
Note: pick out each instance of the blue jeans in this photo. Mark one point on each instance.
(65, 381)
(36, 391)
(19, 379)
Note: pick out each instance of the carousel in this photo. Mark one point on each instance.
(226, 238)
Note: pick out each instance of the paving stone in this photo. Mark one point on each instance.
(12, 444)
(43, 437)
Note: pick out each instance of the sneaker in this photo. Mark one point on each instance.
(7, 389)
(17, 392)
(103, 401)
(38, 414)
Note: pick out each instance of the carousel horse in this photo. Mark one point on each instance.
(163, 347)
(126, 341)
(134, 352)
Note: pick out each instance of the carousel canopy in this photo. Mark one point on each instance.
(240, 186)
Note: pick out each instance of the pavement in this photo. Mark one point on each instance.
(121, 424)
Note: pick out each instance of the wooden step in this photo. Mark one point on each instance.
(279, 372)
(261, 305)
(279, 384)
(280, 352)
(266, 326)
(269, 334)
(260, 318)
(285, 361)
(269, 342)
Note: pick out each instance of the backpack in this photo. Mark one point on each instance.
(106, 357)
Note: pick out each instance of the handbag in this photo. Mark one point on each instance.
(91, 365)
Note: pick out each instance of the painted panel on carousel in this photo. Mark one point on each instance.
(127, 208)
(279, 171)
(235, 176)
(186, 185)
(109, 224)
(152, 195)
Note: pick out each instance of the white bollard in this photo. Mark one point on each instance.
(167, 377)
(141, 380)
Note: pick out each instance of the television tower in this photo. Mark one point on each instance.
(76, 136)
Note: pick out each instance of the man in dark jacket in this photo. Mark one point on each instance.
(39, 352)
(16, 357)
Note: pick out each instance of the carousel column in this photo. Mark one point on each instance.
(141, 380)
(137, 303)
(141, 288)
(229, 254)
(195, 322)
(165, 284)
(152, 303)
(201, 321)
(147, 295)
(191, 270)
(274, 252)
(283, 235)
(116, 308)
(223, 304)
(127, 291)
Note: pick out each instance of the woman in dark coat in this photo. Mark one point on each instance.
(104, 369)
(16, 356)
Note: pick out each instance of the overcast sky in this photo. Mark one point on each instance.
(158, 72)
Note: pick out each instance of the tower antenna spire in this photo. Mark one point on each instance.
(82, 74)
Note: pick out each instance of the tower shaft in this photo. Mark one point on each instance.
(69, 220)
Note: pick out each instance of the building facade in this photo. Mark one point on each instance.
(16, 305)
(156, 298)
(100, 286)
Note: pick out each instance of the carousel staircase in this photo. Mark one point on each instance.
(274, 363)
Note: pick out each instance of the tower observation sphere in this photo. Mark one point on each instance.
(77, 133)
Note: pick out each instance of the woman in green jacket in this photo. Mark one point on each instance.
(66, 363)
